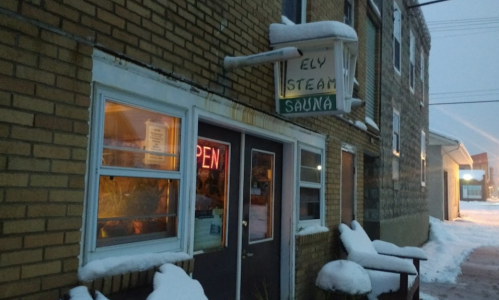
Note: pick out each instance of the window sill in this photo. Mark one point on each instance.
(312, 238)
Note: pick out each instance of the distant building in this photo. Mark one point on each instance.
(472, 185)
(481, 162)
(445, 154)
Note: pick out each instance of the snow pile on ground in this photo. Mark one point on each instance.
(173, 283)
(451, 242)
(344, 276)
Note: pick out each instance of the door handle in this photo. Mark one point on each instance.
(245, 223)
(246, 254)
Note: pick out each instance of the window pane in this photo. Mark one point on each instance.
(138, 138)
(135, 209)
(292, 10)
(261, 208)
(310, 170)
(309, 203)
(211, 195)
(396, 56)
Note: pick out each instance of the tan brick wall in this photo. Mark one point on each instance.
(45, 89)
(43, 123)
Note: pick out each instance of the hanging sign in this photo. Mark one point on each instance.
(309, 84)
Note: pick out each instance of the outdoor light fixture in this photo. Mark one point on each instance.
(467, 177)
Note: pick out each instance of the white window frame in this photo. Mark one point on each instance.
(396, 131)
(301, 224)
(396, 147)
(423, 158)
(412, 61)
(352, 13)
(91, 251)
(397, 37)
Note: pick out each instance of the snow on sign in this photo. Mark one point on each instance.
(320, 82)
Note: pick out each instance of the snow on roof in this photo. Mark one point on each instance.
(438, 138)
(471, 174)
(344, 276)
(451, 146)
(124, 264)
(282, 33)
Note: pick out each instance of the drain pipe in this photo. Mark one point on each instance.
(231, 63)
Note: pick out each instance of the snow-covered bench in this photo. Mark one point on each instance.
(393, 275)
(130, 285)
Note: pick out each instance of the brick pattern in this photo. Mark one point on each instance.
(45, 96)
(405, 196)
(43, 123)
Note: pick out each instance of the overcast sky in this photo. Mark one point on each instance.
(464, 67)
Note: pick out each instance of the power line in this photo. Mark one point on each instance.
(473, 20)
(463, 102)
(427, 3)
(459, 92)
(469, 33)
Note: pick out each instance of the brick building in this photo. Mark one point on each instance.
(403, 206)
(121, 134)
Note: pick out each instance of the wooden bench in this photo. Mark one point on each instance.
(133, 285)
(382, 260)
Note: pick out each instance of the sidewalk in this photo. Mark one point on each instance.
(479, 279)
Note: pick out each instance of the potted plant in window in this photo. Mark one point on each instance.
(112, 205)
(145, 199)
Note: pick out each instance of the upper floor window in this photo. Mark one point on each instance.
(134, 192)
(348, 12)
(397, 36)
(311, 187)
(412, 61)
(372, 62)
(423, 158)
(295, 10)
(396, 133)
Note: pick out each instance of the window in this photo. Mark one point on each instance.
(397, 36)
(134, 192)
(396, 145)
(396, 133)
(371, 69)
(423, 158)
(412, 61)
(295, 10)
(311, 186)
(472, 192)
(348, 12)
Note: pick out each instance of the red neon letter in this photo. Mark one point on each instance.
(215, 157)
(199, 151)
(206, 156)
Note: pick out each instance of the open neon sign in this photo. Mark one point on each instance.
(209, 156)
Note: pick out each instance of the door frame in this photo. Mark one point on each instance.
(285, 133)
(350, 149)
